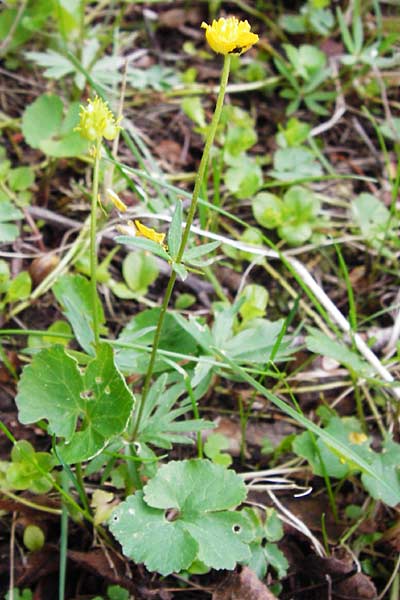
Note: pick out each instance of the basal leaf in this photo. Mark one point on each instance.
(53, 388)
(386, 466)
(194, 486)
(44, 127)
(146, 536)
(194, 495)
(221, 538)
(50, 388)
(42, 119)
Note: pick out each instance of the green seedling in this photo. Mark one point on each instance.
(373, 219)
(358, 51)
(265, 552)
(17, 594)
(15, 184)
(306, 73)
(27, 469)
(216, 442)
(314, 16)
(295, 216)
(255, 300)
(13, 290)
(115, 592)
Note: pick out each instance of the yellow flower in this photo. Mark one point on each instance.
(97, 121)
(355, 437)
(150, 234)
(230, 35)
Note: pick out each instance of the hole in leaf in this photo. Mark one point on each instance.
(87, 395)
(106, 389)
(236, 528)
(172, 514)
(115, 518)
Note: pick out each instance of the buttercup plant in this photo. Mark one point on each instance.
(225, 36)
(96, 122)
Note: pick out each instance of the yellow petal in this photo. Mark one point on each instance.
(116, 200)
(147, 232)
(230, 35)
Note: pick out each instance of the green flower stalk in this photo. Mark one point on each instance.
(225, 36)
(96, 122)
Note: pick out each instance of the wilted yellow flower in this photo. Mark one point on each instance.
(355, 437)
(116, 200)
(230, 35)
(150, 234)
(97, 121)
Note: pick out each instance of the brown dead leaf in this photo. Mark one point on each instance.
(243, 586)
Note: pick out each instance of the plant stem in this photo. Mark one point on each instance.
(192, 211)
(63, 541)
(93, 250)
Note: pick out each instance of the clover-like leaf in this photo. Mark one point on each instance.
(182, 515)
(53, 388)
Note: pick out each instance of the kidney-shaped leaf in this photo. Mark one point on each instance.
(194, 486)
(147, 536)
(181, 516)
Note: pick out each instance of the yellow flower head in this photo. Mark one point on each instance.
(97, 121)
(150, 234)
(230, 35)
